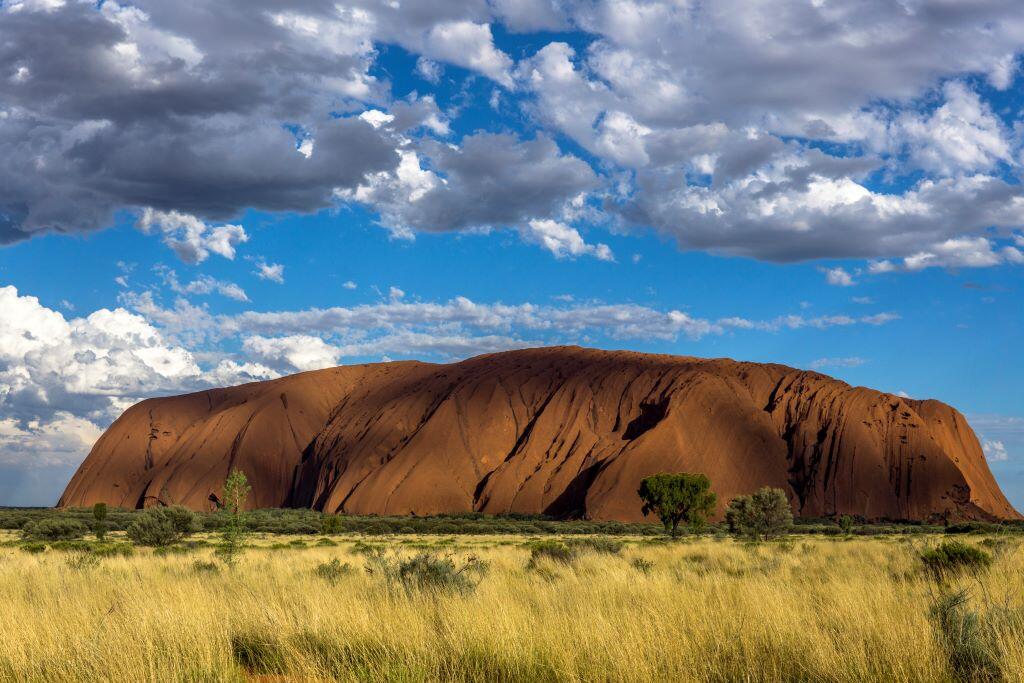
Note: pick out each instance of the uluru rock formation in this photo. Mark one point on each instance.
(563, 431)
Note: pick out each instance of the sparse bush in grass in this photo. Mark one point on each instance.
(75, 546)
(764, 514)
(163, 526)
(953, 557)
(113, 550)
(555, 551)
(53, 529)
(971, 654)
(258, 653)
(597, 544)
(972, 528)
(642, 565)
(171, 550)
(846, 524)
(326, 542)
(333, 571)
(34, 547)
(83, 561)
(427, 572)
(363, 548)
(205, 567)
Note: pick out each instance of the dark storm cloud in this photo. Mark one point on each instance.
(200, 107)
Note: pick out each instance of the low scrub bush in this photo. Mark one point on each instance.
(171, 550)
(972, 528)
(205, 567)
(333, 571)
(83, 561)
(258, 653)
(163, 526)
(34, 547)
(75, 546)
(597, 544)
(53, 529)
(962, 635)
(113, 550)
(954, 557)
(428, 572)
(642, 565)
(763, 515)
(555, 551)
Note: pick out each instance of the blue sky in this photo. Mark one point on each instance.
(227, 192)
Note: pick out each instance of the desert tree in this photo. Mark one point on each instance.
(763, 515)
(678, 498)
(99, 520)
(235, 493)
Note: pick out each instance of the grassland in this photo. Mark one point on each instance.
(811, 608)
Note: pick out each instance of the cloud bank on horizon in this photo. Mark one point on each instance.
(886, 135)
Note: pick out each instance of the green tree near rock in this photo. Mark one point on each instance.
(678, 498)
(236, 492)
(99, 520)
(762, 515)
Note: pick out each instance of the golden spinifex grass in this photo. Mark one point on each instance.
(707, 610)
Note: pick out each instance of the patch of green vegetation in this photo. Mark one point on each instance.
(954, 557)
(258, 653)
(53, 529)
(555, 551)
(428, 572)
(333, 571)
(606, 546)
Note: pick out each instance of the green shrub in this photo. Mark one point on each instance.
(258, 653)
(763, 515)
(76, 546)
(428, 572)
(555, 551)
(953, 557)
(642, 565)
(113, 550)
(82, 561)
(972, 528)
(205, 567)
(330, 524)
(326, 542)
(171, 550)
(971, 654)
(163, 526)
(363, 548)
(53, 529)
(607, 546)
(332, 571)
(34, 547)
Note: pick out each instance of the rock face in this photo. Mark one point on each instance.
(561, 431)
